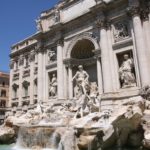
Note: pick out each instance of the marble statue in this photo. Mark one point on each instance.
(82, 78)
(38, 23)
(53, 86)
(127, 77)
(57, 16)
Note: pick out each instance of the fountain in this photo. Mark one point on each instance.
(80, 125)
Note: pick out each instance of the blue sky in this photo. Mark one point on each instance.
(17, 21)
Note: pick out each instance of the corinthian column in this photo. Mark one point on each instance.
(149, 12)
(11, 83)
(146, 27)
(60, 74)
(140, 46)
(40, 75)
(31, 59)
(107, 77)
(20, 94)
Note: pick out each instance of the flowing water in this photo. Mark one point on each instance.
(47, 138)
(11, 147)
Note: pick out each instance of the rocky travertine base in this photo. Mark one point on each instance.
(129, 124)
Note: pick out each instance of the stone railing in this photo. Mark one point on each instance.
(26, 100)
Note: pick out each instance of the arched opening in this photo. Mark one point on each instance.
(82, 53)
(83, 49)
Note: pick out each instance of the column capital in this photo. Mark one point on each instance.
(145, 13)
(101, 23)
(39, 48)
(21, 60)
(11, 65)
(133, 11)
(60, 42)
(32, 56)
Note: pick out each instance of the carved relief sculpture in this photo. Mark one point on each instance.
(120, 31)
(53, 86)
(127, 77)
(51, 56)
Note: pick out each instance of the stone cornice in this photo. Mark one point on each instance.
(23, 50)
(75, 62)
(66, 3)
(52, 65)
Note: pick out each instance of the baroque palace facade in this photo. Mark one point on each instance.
(109, 38)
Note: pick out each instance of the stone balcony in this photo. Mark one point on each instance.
(15, 104)
(26, 100)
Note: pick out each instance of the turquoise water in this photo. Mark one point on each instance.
(5, 147)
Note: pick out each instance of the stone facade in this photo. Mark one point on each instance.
(4, 94)
(109, 38)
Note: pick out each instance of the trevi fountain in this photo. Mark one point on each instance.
(82, 81)
(81, 124)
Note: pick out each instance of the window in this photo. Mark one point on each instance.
(26, 91)
(15, 91)
(26, 61)
(3, 103)
(35, 87)
(26, 88)
(16, 65)
(3, 93)
(3, 84)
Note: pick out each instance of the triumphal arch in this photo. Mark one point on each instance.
(106, 41)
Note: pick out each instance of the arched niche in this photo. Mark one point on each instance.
(83, 49)
(86, 38)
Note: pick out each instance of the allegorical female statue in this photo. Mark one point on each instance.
(126, 73)
(53, 86)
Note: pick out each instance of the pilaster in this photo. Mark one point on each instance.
(32, 59)
(60, 73)
(20, 94)
(40, 73)
(107, 77)
(134, 11)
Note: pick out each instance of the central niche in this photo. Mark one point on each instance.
(83, 49)
(83, 54)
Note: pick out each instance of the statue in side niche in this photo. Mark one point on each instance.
(53, 86)
(126, 74)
